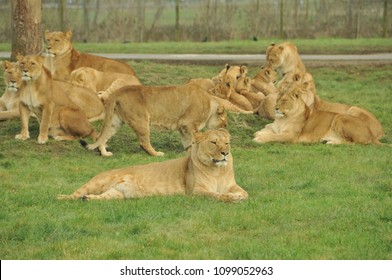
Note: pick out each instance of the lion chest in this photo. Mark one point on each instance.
(31, 97)
(10, 99)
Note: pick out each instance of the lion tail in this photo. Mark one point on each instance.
(107, 126)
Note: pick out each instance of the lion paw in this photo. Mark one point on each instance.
(22, 136)
(42, 139)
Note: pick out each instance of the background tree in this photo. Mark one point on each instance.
(26, 27)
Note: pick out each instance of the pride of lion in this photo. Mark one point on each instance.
(66, 90)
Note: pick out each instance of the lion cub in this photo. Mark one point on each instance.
(58, 115)
(207, 171)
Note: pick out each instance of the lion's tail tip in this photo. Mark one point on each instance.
(83, 143)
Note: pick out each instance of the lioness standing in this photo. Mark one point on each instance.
(207, 171)
(62, 58)
(186, 108)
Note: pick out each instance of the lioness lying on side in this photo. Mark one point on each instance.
(295, 122)
(58, 115)
(207, 171)
(62, 58)
(185, 107)
(9, 101)
(102, 83)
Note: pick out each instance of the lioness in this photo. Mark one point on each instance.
(313, 101)
(284, 58)
(295, 122)
(62, 58)
(207, 171)
(185, 107)
(59, 116)
(9, 101)
(102, 83)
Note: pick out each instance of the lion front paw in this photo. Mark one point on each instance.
(22, 136)
(42, 139)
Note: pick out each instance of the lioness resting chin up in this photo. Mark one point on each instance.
(295, 122)
(207, 171)
(58, 115)
(186, 108)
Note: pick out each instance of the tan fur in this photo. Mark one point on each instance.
(207, 171)
(244, 87)
(205, 84)
(235, 72)
(59, 116)
(186, 108)
(61, 57)
(295, 122)
(313, 101)
(102, 83)
(9, 101)
(284, 58)
(264, 81)
(225, 89)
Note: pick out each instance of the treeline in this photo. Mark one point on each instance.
(210, 20)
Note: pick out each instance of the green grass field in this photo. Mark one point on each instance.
(310, 201)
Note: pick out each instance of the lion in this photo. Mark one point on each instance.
(284, 58)
(295, 122)
(264, 81)
(225, 88)
(207, 171)
(62, 58)
(9, 101)
(186, 108)
(58, 115)
(235, 72)
(313, 101)
(103, 83)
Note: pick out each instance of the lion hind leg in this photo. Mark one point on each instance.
(142, 130)
(106, 134)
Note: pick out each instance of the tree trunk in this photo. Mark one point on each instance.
(86, 21)
(177, 20)
(63, 15)
(385, 19)
(281, 29)
(26, 27)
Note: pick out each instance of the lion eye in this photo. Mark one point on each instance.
(213, 142)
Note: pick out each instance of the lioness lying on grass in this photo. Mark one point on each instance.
(207, 171)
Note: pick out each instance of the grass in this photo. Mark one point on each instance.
(306, 46)
(306, 201)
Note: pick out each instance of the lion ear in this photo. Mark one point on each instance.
(6, 64)
(197, 136)
(68, 34)
(19, 57)
(243, 70)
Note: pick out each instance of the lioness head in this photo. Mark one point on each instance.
(57, 42)
(212, 148)
(303, 81)
(243, 84)
(12, 77)
(266, 74)
(224, 86)
(31, 66)
(289, 103)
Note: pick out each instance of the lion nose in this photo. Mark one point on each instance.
(224, 153)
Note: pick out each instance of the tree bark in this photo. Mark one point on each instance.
(26, 27)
